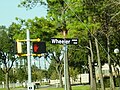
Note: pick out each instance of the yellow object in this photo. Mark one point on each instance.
(30, 55)
(33, 40)
(19, 47)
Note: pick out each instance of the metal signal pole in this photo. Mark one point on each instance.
(30, 85)
(66, 72)
(65, 68)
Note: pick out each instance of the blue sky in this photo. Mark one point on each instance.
(9, 10)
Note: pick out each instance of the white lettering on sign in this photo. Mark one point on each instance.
(56, 41)
(74, 40)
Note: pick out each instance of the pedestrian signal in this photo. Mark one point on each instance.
(39, 47)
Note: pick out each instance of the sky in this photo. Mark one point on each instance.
(9, 10)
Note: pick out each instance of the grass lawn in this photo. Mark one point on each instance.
(84, 87)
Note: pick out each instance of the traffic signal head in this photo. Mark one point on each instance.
(39, 47)
(19, 47)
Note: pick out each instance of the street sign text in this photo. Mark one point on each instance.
(64, 41)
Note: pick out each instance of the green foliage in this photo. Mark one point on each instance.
(100, 18)
(39, 28)
(7, 54)
(15, 31)
(2, 77)
(29, 4)
(73, 73)
(54, 75)
(6, 45)
(21, 74)
(4, 40)
(38, 74)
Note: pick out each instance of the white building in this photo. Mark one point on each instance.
(105, 70)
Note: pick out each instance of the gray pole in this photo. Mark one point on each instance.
(65, 75)
(67, 70)
(28, 58)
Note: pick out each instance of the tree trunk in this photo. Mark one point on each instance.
(70, 88)
(91, 75)
(93, 69)
(7, 81)
(59, 71)
(112, 85)
(118, 77)
(100, 67)
(60, 78)
(61, 82)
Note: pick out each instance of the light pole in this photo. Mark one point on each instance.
(116, 51)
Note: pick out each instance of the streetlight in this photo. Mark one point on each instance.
(116, 51)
